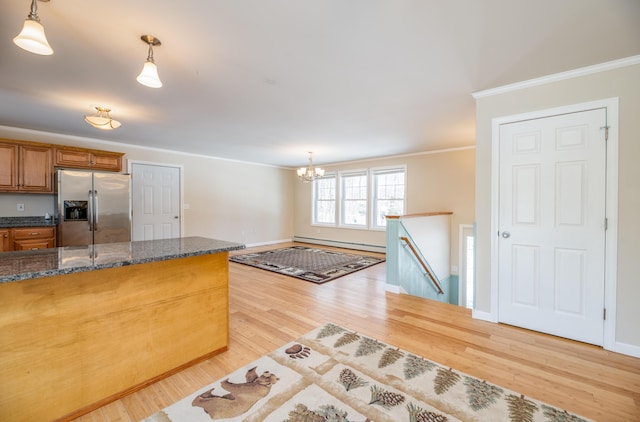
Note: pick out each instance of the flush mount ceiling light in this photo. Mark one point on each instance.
(310, 173)
(149, 75)
(102, 120)
(32, 37)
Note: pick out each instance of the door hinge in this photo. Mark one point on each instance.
(606, 132)
(604, 314)
(606, 223)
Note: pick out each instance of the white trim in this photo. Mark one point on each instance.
(270, 242)
(611, 238)
(611, 105)
(583, 71)
(392, 288)
(462, 264)
(46, 137)
(484, 316)
(180, 168)
(341, 244)
(627, 349)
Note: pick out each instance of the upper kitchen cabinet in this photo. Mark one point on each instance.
(26, 168)
(88, 159)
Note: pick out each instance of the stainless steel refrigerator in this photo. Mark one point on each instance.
(92, 207)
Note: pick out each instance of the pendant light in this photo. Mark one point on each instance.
(149, 75)
(102, 120)
(32, 37)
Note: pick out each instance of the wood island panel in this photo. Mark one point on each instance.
(69, 343)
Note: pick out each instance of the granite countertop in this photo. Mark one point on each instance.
(10, 222)
(25, 265)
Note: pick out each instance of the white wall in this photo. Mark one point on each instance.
(439, 181)
(623, 83)
(228, 200)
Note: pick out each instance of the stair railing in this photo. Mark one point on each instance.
(416, 253)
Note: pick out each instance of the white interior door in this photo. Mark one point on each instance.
(551, 245)
(155, 201)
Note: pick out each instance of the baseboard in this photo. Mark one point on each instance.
(392, 288)
(484, 316)
(271, 242)
(341, 244)
(626, 349)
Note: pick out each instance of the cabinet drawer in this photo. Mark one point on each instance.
(34, 233)
(32, 244)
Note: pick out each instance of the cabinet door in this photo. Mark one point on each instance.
(35, 169)
(8, 167)
(106, 161)
(72, 158)
(5, 240)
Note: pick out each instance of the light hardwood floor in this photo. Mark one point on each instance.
(268, 310)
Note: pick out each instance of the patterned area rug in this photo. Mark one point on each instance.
(310, 264)
(333, 374)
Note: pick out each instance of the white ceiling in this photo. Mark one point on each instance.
(266, 81)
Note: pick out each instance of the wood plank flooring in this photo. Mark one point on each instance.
(268, 310)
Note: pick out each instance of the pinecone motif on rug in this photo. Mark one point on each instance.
(334, 374)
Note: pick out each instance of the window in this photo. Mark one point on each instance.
(353, 194)
(359, 198)
(324, 200)
(388, 195)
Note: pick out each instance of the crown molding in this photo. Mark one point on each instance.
(602, 67)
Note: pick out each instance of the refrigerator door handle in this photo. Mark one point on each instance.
(95, 211)
(90, 209)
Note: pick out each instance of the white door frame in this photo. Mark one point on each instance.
(180, 168)
(462, 264)
(611, 238)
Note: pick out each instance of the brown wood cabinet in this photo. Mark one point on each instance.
(5, 240)
(27, 238)
(88, 159)
(26, 168)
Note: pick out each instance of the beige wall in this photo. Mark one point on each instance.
(623, 83)
(228, 200)
(442, 181)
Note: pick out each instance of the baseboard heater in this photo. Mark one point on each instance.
(341, 244)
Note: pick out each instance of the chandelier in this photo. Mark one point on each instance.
(310, 173)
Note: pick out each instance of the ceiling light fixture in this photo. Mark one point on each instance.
(102, 120)
(149, 75)
(32, 37)
(310, 173)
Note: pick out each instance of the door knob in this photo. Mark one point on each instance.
(506, 235)
(176, 217)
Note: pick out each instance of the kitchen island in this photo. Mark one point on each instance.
(83, 326)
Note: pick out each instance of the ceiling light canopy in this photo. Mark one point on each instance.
(32, 37)
(102, 120)
(310, 173)
(149, 75)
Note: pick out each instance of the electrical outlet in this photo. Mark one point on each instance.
(20, 207)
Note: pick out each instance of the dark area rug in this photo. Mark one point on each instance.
(310, 264)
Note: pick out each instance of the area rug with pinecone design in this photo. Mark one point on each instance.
(311, 264)
(334, 374)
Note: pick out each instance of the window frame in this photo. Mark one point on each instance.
(342, 176)
(374, 197)
(314, 201)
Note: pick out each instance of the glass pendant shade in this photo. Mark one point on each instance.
(32, 38)
(102, 120)
(149, 75)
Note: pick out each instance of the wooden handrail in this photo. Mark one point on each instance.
(417, 255)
